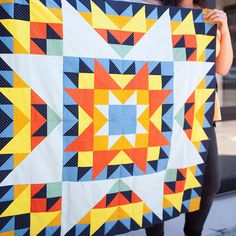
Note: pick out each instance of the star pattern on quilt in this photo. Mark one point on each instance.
(95, 113)
(127, 121)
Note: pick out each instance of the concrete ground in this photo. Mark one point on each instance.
(221, 220)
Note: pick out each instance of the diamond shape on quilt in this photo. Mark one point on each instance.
(121, 208)
(116, 23)
(42, 32)
(27, 120)
(109, 113)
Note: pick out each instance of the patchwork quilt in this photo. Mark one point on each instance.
(105, 113)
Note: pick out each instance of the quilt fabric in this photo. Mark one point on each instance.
(105, 110)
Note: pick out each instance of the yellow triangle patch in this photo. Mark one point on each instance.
(174, 25)
(137, 22)
(191, 181)
(186, 26)
(100, 120)
(121, 158)
(202, 84)
(175, 199)
(40, 13)
(19, 157)
(21, 204)
(21, 33)
(166, 203)
(20, 97)
(87, 16)
(118, 214)
(122, 80)
(146, 209)
(21, 143)
(56, 221)
(156, 118)
(121, 143)
(135, 211)
(85, 120)
(123, 95)
(120, 21)
(20, 120)
(99, 217)
(86, 219)
(100, 20)
(18, 82)
(194, 204)
(38, 221)
(201, 95)
(202, 43)
(198, 133)
(150, 23)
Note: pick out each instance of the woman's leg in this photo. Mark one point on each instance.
(155, 230)
(194, 221)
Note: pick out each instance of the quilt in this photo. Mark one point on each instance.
(105, 113)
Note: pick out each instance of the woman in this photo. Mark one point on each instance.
(194, 221)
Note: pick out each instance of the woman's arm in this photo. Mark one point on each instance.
(225, 58)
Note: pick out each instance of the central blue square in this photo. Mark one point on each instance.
(122, 119)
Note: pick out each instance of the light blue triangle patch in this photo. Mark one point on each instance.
(109, 225)
(80, 228)
(128, 11)
(209, 52)
(8, 42)
(7, 75)
(194, 194)
(126, 222)
(8, 132)
(149, 217)
(177, 16)
(110, 10)
(169, 211)
(199, 19)
(153, 14)
(9, 226)
(198, 172)
(87, 176)
(81, 7)
(9, 8)
(208, 26)
(122, 50)
(186, 203)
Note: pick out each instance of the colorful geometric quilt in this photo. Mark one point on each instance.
(105, 111)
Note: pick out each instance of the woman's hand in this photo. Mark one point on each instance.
(219, 17)
(225, 58)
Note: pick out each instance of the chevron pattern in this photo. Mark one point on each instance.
(26, 120)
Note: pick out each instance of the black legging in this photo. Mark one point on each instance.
(194, 221)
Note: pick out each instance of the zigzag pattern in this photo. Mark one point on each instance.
(26, 120)
(124, 211)
(119, 22)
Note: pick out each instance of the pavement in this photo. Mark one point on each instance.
(221, 219)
